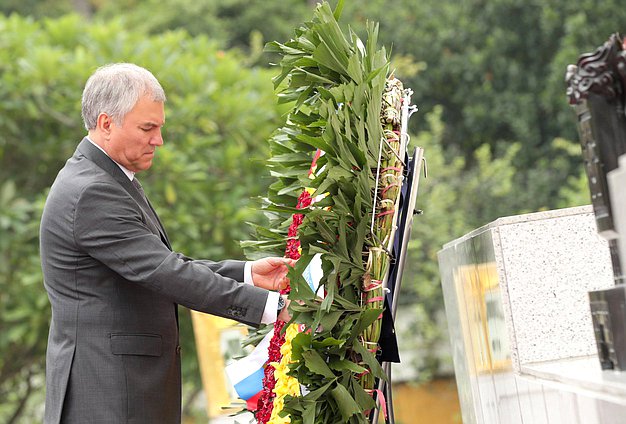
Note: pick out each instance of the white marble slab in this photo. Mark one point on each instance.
(516, 295)
(582, 375)
(547, 264)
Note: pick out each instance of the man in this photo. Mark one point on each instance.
(112, 279)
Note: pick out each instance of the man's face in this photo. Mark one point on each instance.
(133, 144)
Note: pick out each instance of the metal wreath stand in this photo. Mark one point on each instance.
(412, 165)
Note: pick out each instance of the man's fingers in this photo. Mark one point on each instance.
(286, 261)
(283, 283)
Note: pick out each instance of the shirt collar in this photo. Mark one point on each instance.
(128, 173)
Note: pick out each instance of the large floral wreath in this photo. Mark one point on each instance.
(338, 171)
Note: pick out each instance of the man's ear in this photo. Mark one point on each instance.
(104, 123)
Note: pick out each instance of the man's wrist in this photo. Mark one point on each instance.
(247, 273)
(271, 305)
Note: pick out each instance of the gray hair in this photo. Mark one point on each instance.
(115, 89)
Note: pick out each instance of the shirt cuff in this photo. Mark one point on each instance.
(247, 273)
(271, 308)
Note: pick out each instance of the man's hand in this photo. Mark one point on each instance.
(271, 273)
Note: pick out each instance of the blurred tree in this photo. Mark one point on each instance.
(83, 7)
(241, 24)
(496, 67)
(24, 306)
(36, 8)
(219, 114)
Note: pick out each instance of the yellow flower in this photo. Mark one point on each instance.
(285, 384)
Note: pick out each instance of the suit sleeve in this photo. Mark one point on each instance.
(108, 226)
(231, 268)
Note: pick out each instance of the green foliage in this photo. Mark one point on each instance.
(219, 114)
(37, 8)
(24, 306)
(335, 84)
(243, 24)
(496, 68)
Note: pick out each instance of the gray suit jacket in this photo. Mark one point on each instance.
(114, 285)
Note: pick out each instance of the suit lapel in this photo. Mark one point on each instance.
(166, 239)
(91, 152)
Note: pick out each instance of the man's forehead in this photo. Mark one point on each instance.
(148, 111)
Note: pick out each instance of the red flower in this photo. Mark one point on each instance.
(265, 404)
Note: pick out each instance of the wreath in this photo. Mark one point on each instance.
(338, 169)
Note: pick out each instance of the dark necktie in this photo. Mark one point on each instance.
(148, 208)
(139, 188)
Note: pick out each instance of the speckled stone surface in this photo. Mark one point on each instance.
(547, 263)
(515, 293)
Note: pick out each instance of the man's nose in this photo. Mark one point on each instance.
(157, 140)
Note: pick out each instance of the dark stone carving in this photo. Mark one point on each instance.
(596, 89)
(602, 72)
